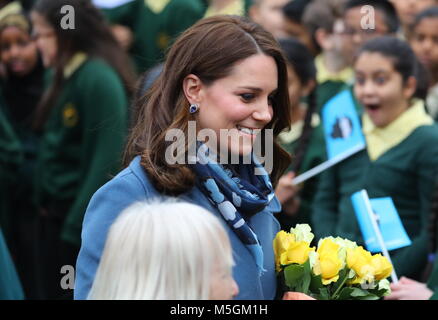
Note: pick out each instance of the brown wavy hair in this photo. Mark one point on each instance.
(209, 49)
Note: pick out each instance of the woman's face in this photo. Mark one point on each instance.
(240, 103)
(425, 42)
(18, 52)
(380, 88)
(45, 39)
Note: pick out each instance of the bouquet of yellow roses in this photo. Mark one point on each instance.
(338, 269)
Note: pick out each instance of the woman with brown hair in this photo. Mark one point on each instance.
(223, 75)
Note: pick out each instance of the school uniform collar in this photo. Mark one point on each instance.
(235, 8)
(156, 6)
(74, 63)
(324, 74)
(296, 130)
(380, 140)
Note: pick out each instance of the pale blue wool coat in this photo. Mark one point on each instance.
(132, 185)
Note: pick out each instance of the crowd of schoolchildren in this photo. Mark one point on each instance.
(66, 107)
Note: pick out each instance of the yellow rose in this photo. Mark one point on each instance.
(329, 263)
(359, 260)
(281, 245)
(298, 252)
(382, 267)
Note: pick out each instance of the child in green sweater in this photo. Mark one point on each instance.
(83, 119)
(21, 87)
(401, 158)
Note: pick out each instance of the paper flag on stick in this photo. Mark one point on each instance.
(342, 132)
(385, 214)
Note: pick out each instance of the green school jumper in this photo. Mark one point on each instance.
(406, 173)
(315, 155)
(82, 142)
(155, 25)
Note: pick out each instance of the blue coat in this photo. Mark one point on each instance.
(132, 185)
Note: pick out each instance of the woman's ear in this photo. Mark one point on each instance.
(410, 88)
(192, 87)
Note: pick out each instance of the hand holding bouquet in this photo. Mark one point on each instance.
(338, 269)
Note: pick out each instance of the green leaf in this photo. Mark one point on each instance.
(316, 283)
(345, 293)
(360, 294)
(354, 293)
(324, 294)
(380, 292)
(293, 276)
(306, 277)
(369, 297)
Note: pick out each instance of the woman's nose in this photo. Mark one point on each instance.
(263, 113)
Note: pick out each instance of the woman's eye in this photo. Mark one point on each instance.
(247, 96)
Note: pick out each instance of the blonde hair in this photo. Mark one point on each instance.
(161, 250)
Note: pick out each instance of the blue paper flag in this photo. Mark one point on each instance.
(342, 132)
(388, 221)
(342, 129)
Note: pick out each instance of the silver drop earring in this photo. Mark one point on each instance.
(194, 108)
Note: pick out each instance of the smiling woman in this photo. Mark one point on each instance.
(224, 73)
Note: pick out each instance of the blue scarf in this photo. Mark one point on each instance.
(236, 196)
